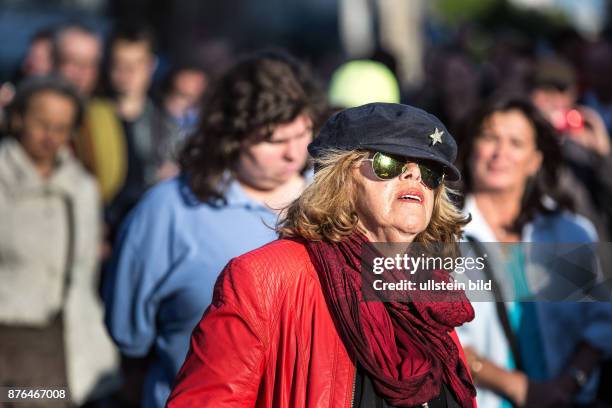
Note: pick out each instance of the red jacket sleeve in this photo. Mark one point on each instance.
(225, 361)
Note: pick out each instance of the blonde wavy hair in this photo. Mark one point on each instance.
(326, 210)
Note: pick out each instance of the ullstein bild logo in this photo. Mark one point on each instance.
(431, 285)
(487, 271)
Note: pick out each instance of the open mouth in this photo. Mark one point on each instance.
(411, 196)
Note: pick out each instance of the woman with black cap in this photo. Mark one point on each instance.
(287, 327)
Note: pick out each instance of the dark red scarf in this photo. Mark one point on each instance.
(405, 347)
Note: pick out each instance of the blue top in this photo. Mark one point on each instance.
(561, 324)
(170, 251)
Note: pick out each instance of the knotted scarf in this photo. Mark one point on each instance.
(405, 347)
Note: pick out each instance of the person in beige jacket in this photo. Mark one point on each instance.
(51, 319)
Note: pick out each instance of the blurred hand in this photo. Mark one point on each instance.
(517, 386)
(594, 135)
(473, 360)
(7, 92)
(470, 353)
(512, 384)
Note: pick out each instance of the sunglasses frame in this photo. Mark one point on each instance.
(403, 169)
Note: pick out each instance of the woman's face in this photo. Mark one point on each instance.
(271, 163)
(46, 125)
(393, 210)
(505, 153)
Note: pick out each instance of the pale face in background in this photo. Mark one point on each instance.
(79, 60)
(38, 60)
(187, 89)
(132, 65)
(505, 154)
(554, 103)
(385, 213)
(46, 126)
(269, 164)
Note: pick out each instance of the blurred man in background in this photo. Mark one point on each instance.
(37, 61)
(39, 57)
(181, 96)
(127, 142)
(585, 142)
(148, 136)
(77, 52)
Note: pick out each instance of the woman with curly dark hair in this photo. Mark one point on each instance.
(247, 160)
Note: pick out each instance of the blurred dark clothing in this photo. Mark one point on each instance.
(366, 396)
(604, 109)
(134, 184)
(125, 155)
(588, 177)
(150, 141)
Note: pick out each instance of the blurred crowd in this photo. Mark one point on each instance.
(122, 197)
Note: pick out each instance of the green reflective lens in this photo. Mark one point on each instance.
(387, 167)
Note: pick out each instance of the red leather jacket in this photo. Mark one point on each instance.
(267, 339)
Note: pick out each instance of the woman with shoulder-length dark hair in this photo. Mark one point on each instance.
(534, 354)
(246, 161)
(287, 326)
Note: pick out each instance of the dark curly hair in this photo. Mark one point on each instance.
(259, 92)
(546, 181)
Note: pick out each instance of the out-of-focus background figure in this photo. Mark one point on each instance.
(77, 52)
(39, 57)
(181, 96)
(511, 165)
(143, 71)
(247, 160)
(146, 139)
(51, 320)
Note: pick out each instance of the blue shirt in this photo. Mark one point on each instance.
(170, 251)
(562, 324)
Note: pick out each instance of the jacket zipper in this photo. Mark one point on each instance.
(354, 383)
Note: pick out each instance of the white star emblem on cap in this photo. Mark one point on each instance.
(436, 137)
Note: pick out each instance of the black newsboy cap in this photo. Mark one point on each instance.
(389, 128)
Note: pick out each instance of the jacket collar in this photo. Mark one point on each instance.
(480, 229)
(233, 194)
(236, 195)
(18, 174)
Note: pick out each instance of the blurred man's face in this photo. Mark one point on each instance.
(550, 100)
(131, 67)
(38, 60)
(269, 164)
(79, 60)
(555, 104)
(46, 125)
(188, 87)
